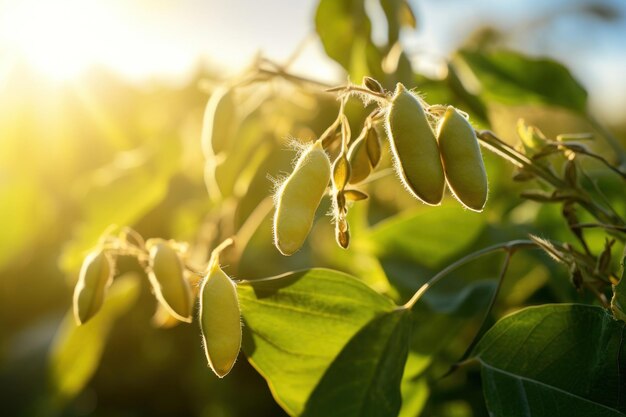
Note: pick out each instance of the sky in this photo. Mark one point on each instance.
(166, 39)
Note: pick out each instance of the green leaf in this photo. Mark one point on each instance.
(512, 78)
(407, 16)
(512, 395)
(120, 193)
(365, 378)
(441, 316)
(564, 359)
(76, 350)
(339, 24)
(296, 324)
(414, 387)
(392, 10)
(467, 100)
(426, 237)
(618, 302)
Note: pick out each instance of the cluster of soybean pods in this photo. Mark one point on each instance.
(425, 159)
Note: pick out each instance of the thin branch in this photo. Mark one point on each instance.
(600, 225)
(581, 151)
(610, 139)
(350, 88)
(604, 198)
(495, 144)
(474, 342)
(297, 52)
(376, 175)
(292, 77)
(507, 246)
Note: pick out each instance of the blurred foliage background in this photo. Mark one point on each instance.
(76, 157)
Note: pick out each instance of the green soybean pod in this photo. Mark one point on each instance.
(372, 141)
(220, 122)
(166, 275)
(414, 147)
(95, 277)
(462, 160)
(220, 320)
(298, 198)
(359, 159)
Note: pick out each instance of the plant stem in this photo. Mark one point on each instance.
(596, 157)
(495, 144)
(292, 77)
(610, 139)
(215, 254)
(468, 351)
(350, 88)
(507, 246)
(604, 226)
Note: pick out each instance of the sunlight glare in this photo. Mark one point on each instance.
(58, 38)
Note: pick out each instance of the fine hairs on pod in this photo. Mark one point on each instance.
(414, 147)
(298, 198)
(220, 317)
(166, 275)
(462, 160)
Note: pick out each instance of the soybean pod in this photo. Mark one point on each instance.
(298, 197)
(462, 160)
(94, 279)
(166, 274)
(220, 320)
(414, 147)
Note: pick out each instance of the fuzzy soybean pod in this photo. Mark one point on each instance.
(414, 147)
(374, 150)
(220, 320)
(462, 161)
(94, 279)
(168, 282)
(359, 160)
(220, 121)
(298, 197)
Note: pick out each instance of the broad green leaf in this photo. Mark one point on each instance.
(393, 10)
(467, 100)
(362, 49)
(426, 237)
(339, 24)
(407, 16)
(618, 302)
(399, 14)
(512, 396)
(458, 299)
(512, 78)
(364, 380)
(440, 316)
(296, 324)
(562, 359)
(414, 387)
(76, 350)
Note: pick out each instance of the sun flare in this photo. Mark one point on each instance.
(58, 38)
